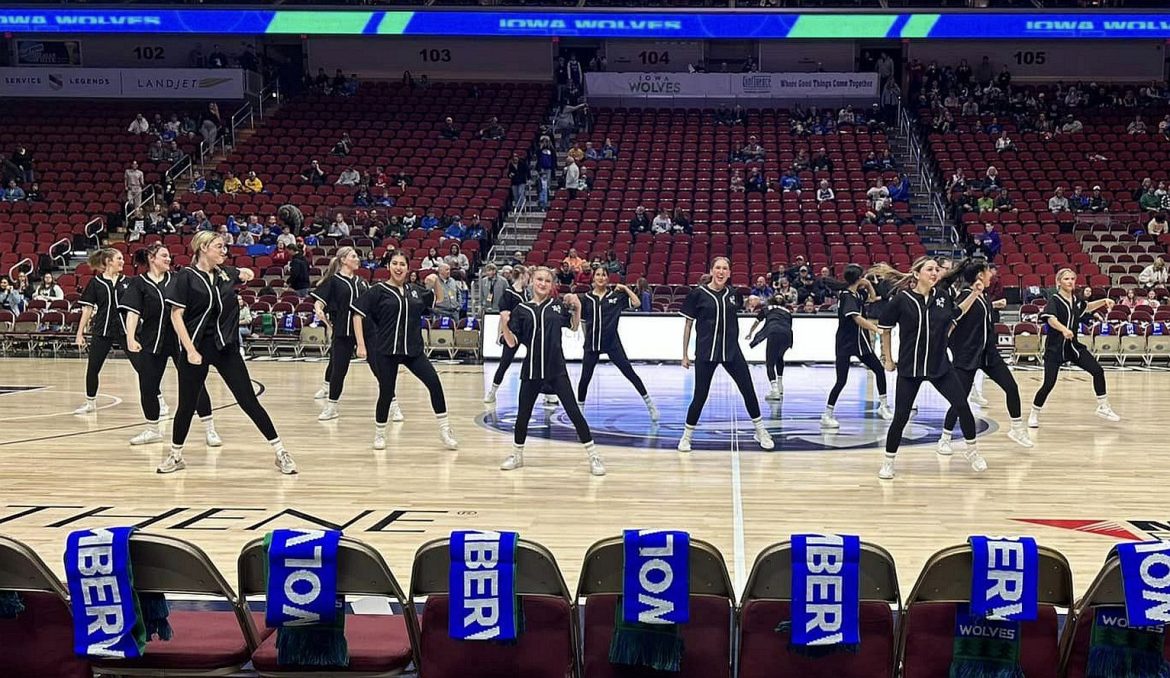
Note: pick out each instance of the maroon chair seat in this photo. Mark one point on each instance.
(39, 641)
(706, 640)
(202, 641)
(544, 649)
(930, 631)
(764, 653)
(1078, 652)
(377, 643)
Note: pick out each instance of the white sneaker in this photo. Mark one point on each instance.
(285, 463)
(684, 443)
(449, 441)
(886, 472)
(978, 464)
(146, 437)
(596, 466)
(944, 447)
(321, 394)
(88, 408)
(913, 412)
(827, 421)
(396, 413)
(163, 409)
(764, 439)
(885, 412)
(1034, 419)
(1020, 435)
(977, 398)
(379, 441)
(173, 462)
(652, 410)
(213, 439)
(490, 396)
(551, 401)
(773, 393)
(513, 462)
(1107, 413)
(330, 412)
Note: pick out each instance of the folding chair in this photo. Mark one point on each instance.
(926, 637)
(205, 642)
(38, 643)
(707, 637)
(547, 647)
(1105, 591)
(379, 644)
(766, 602)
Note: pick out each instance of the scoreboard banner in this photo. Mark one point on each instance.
(732, 85)
(603, 24)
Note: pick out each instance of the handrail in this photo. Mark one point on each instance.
(17, 265)
(101, 226)
(183, 165)
(63, 256)
(926, 174)
(146, 199)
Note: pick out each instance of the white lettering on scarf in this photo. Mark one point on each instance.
(825, 585)
(481, 590)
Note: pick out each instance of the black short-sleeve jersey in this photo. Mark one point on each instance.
(393, 318)
(538, 326)
(601, 316)
(923, 323)
(148, 299)
(1068, 313)
(851, 339)
(211, 308)
(339, 293)
(716, 323)
(102, 296)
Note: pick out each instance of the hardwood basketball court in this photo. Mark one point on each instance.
(59, 472)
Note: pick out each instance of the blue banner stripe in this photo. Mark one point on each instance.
(899, 23)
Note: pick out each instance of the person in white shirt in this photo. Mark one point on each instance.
(661, 223)
(1156, 274)
(878, 194)
(139, 125)
(825, 192)
(245, 238)
(48, 290)
(339, 228)
(1058, 203)
(1004, 143)
(287, 239)
(134, 180)
(572, 177)
(349, 177)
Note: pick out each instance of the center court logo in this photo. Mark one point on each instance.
(1126, 530)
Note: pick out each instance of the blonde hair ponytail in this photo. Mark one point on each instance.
(335, 264)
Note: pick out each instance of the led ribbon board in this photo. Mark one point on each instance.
(737, 25)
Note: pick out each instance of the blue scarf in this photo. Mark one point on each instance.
(482, 599)
(826, 590)
(109, 619)
(302, 600)
(985, 648)
(1005, 578)
(1118, 650)
(655, 599)
(1145, 577)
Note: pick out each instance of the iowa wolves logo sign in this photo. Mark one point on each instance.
(1127, 530)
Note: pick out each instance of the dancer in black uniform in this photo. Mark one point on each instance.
(538, 324)
(853, 339)
(99, 303)
(205, 314)
(601, 309)
(150, 341)
(1062, 313)
(514, 295)
(777, 320)
(712, 307)
(333, 300)
(924, 317)
(973, 349)
(389, 316)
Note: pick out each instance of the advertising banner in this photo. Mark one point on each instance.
(48, 53)
(732, 85)
(118, 83)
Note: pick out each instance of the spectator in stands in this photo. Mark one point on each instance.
(291, 218)
(245, 238)
(986, 202)
(430, 221)
(790, 182)
(877, 194)
(572, 178)
(314, 174)
(574, 260)
(609, 150)
(33, 194)
(825, 192)
(662, 222)
(645, 295)
(1071, 125)
(988, 242)
(267, 238)
(1058, 203)
(340, 228)
(682, 222)
(198, 221)
(845, 118)
(762, 289)
(821, 161)
(1137, 126)
(447, 294)
(343, 145)
(24, 161)
(449, 131)
(612, 265)
(349, 177)
(299, 277)
(493, 130)
(753, 151)
(736, 181)
(139, 125)
(958, 181)
(457, 260)
(577, 153)
(217, 58)
(1096, 202)
(1004, 143)
(786, 292)
(198, 183)
(870, 163)
(253, 184)
(285, 238)
(215, 183)
(1147, 186)
(899, 188)
(232, 184)
(640, 223)
(1078, 201)
(1151, 299)
(1164, 127)
(1157, 224)
(518, 179)
(155, 152)
(756, 182)
(13, 193)
(48, 289)
(209, 131)
(1156, 274)
(10, 299)
(491, 289)
(432, 260)
(176, 217)
(172, 153)
(991, 178)
(565, 274)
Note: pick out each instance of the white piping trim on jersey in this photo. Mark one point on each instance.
(537, 322)
(718, 319)
(163, 305)
(210, 295)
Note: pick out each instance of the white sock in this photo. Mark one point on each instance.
(1036, 410)
(517, 448)
(277, 446)
(152, 426)
(1017, 422)
(90, 401)
(889, 456)
(208, 423)
(495, 387)
(646, 399)
(444, 422)
(590, 448)
(176, 450)
(758, 422)
(883, 399)
(332, 402)
(970, 444)
(829, 409)
(379, 428)
(325, 385)
(688, 430)
(1102, 400)
(946, 435)
(161, 400)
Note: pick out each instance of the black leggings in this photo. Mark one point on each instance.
(150, 368)
(506, 359)
(774, 352)
(996, 371)
(869, 360)
(99, 350)
(339, 356)
(1083, 360)
(530, 390)
(234, 372)
(385, 369)
(738, 370)
(617, 356)
(950, 388)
